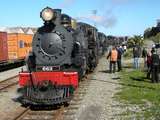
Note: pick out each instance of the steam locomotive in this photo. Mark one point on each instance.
(62, 52)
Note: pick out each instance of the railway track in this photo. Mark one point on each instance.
(8, 82)
(59, 113)
(28, 114)
(70, 112)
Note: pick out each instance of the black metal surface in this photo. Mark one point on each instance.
(10, 65)
(46, 95)
(57, 44)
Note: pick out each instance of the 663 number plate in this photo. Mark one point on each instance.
(48, 68)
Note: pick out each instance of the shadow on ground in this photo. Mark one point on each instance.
(116, 78)
(127, 66)
(42, 107)
(105, 71)
(144, 79)
(123, 84)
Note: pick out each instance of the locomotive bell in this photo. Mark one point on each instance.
(74, 24)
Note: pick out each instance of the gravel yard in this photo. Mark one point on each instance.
(98, 103)
(8, 108)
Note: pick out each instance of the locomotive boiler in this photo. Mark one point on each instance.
(91, 36)
(57, 61)
(102, 43)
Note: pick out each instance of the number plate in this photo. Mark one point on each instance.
(48, 68)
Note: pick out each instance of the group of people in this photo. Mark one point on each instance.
(115, 56)
(151, 62)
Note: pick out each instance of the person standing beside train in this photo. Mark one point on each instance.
(144, 56)
(136, 55)
(119, 58)
(155, 62)
(149, 63)
(113, 55)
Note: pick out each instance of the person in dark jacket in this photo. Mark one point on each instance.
(155, 62)
(136, 55)
(119, 58)
(149, 64)
(144, 56)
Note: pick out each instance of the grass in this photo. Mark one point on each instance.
(137, 90)
(128, 53)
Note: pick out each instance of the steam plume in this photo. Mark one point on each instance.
(107, 20)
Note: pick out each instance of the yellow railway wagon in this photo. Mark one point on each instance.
(19, 45)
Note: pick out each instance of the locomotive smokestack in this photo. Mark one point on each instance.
(58, 11)
(58, 16)
(158, 22)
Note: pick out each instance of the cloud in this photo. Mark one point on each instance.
(66, 3)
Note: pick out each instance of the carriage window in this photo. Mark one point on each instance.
(21, 44)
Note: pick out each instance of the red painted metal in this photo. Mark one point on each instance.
(57, 78)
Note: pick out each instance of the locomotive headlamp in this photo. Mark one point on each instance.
(47, 14)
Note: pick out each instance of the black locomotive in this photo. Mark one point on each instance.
(91, 35)
(61, 54)
(102, 43)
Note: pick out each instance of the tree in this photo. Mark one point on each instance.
(147, 33)
(136, 40)
(156, 38)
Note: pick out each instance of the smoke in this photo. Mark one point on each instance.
(107, 17)
(66, 3)
(108, 20)
(104, 20)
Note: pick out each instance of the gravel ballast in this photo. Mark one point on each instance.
(98, 103)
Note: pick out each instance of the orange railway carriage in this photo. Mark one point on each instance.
(19, 45)
(14, 47)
